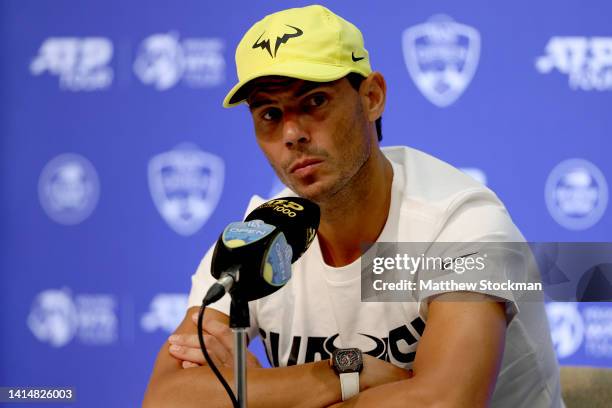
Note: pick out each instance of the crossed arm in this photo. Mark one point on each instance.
(456, 365)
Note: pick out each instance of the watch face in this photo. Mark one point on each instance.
(347, 360)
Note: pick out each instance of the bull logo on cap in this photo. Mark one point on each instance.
(186, 184)
(280, 40)
(441, 56)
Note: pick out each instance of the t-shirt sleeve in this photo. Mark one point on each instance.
(480, 229)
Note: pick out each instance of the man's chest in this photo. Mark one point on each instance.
(300, 325)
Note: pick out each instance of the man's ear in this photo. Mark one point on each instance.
(373, 92)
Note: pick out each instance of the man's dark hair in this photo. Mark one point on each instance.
(355, 81)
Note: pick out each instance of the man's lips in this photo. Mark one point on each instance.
(303, 165)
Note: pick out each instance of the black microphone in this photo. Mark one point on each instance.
(297, 217)
(252, 259)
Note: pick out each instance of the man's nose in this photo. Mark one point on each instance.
(294, 132)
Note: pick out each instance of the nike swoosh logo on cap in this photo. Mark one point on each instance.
(355, 59)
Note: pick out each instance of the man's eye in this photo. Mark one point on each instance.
(316, 100)
(271, 114)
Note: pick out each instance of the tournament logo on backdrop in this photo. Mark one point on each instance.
(441, 56)
(586, 61)
(566, 327)
(186, 184)
(163, 61)
(81, 64)
(598, 330)
(576, 194)
(53, 317)
(57, 317)
(166, 312)
(68, 189)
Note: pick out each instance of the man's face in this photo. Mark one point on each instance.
(315, 135)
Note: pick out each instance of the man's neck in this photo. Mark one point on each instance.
(358, 214)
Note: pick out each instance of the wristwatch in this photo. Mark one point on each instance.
(347, 363)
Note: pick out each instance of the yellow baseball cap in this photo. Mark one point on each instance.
(309, 43)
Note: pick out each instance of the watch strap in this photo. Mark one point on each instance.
(349, 384)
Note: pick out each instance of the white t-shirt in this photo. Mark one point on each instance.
(320, 308)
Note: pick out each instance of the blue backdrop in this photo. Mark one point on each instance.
(120, 167)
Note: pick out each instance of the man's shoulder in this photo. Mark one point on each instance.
(432, 182)
(435, 196)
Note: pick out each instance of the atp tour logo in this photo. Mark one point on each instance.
(186, 184)
(586, 61)
(57, 317)
(441, 56)
(68, 189)
(163, 61)
(576, 194)
(566, 328)
(165, 312)
(82, 64)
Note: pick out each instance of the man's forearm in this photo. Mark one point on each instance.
(307, 385)
(398, 393)
(171, 385)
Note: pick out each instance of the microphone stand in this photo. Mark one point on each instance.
(240, 321)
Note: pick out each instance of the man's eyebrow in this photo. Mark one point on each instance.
(306, 87)
(257, 103)
(309, 86)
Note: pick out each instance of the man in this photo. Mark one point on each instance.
(316, 107)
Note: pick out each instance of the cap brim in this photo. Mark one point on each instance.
(303, 70)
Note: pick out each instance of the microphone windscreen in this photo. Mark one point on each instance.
(297, 217)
